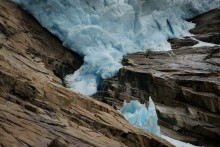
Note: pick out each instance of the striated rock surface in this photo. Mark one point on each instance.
(35, 108)
(184, 83)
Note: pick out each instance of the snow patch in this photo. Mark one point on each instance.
(177, 143)
(202, 44)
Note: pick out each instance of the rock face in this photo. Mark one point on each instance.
(207, 28)
(184, 83)
(35, 108)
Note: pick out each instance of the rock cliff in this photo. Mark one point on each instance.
(35, 108)
(184, 83)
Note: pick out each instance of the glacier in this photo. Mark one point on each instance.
(141, 117)
(102, 31)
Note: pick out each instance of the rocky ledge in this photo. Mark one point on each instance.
(36, 109)
(184, 83)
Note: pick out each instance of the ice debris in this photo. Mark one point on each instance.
(141, 117)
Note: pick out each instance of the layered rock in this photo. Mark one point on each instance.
(35, 108)
(184, 83)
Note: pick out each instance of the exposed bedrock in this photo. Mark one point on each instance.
(184, 83)
(36, 109)
(207, 23)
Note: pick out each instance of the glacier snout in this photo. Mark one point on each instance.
(102, 31)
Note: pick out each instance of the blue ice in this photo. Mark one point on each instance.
(141, 117)
(102, 31)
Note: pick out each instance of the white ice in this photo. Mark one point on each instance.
(177, 143)
(102, 31)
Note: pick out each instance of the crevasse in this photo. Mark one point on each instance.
(102, 31)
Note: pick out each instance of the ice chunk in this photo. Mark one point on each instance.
(141, 117)
(102, 31)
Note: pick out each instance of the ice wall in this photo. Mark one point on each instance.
(141, 117)
(102, 31)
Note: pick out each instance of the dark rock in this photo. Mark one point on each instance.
(184, 83)
(186, 42)
(181, 78)
(57, 143)
(210, 38)
(207, 23)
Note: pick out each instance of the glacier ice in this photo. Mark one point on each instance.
(102, 31)
(141, 117)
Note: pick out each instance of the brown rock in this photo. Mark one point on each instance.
(35, 109)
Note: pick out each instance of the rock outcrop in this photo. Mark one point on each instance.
(35, 108)
(184, 83)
